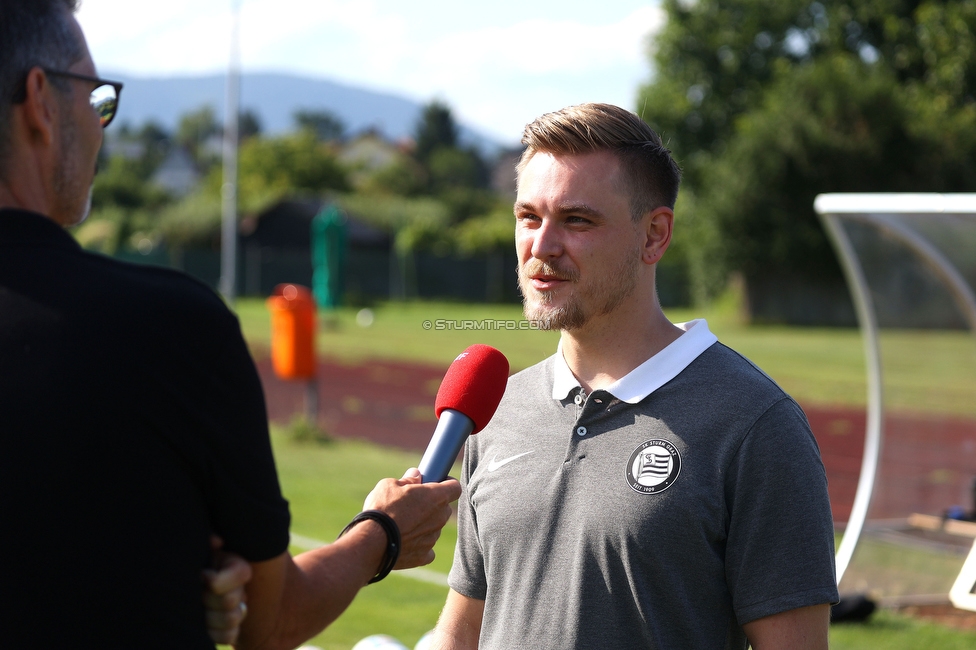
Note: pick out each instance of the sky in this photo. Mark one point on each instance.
(497, 67)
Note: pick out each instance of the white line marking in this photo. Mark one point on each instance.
(419, 573)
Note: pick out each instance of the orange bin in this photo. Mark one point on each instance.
(292, 331)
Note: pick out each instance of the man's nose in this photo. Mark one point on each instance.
(546, 241)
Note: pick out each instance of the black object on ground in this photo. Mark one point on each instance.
(852, 608)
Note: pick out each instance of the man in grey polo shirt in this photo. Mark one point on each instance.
(646, 486)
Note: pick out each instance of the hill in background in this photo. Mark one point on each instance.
(274, 98)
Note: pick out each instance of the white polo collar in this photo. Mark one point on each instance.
(650, 375)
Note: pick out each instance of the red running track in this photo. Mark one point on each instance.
(928, 463)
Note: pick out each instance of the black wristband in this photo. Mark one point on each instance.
(392, 539)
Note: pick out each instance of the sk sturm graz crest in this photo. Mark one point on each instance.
(653, 467)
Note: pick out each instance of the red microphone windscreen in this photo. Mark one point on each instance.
(474, 384)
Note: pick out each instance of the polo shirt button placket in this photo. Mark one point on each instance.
(579, 400)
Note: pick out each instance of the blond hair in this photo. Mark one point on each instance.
(651, 173)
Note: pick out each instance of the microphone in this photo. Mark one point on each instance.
(467, 398)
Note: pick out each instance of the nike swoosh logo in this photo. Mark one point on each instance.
(497, 464)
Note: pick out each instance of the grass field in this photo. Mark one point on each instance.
(895, 569)
(890, 631)
(819, 365)
(925, 371)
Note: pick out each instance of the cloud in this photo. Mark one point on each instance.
(321, 37)
(505, 76)
(176, 36)
(497, 66)
(544, 46)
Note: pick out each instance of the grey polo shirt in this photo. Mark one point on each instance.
(663, 512)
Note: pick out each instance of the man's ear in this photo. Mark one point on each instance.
(40, 108)
(656, 227)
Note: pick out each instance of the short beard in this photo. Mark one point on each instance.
(570, 317)
(615, 287)
(548, 318)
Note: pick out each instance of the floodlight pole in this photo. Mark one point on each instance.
(228, 239)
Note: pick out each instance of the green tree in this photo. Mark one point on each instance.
(121, 183)
(450, 168)
(494, 231)
(405, 176)
(248, 125)
(715, 58)
(433, 191)
(435, 130)
(768, 103)
(156, 143)
(326, 125)
(194, 220)
(294, 163)
(831, 127)
(193, 131)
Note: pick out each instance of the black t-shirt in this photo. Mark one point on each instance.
(132, 425)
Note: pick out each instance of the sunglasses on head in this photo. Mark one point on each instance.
(104, 98)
